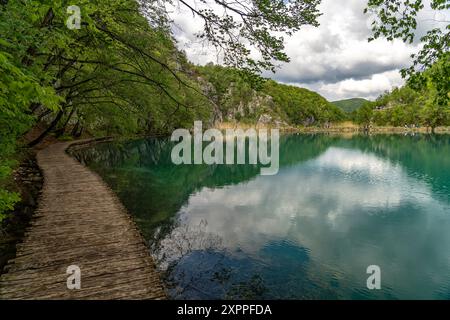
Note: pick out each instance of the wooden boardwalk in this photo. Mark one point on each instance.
(79, 222)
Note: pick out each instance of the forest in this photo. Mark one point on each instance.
(413, 105)
(120, 73)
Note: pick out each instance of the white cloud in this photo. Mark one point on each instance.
(334, 59)
(247, 217)
(368, 88)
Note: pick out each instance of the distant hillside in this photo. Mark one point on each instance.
(237, 100)
(350, 105)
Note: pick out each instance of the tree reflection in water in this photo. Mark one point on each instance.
(337, 205)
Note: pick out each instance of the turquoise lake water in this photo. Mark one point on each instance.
(337, 206)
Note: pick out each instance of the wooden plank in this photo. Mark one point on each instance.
(79, 221)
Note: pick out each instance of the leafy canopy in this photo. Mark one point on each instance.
(398, 19)
(248, 33)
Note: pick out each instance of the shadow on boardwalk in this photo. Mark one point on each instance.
(79, 222)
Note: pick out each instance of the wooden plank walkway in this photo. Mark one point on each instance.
(79, 221)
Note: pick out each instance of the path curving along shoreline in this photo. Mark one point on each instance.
(79, 222)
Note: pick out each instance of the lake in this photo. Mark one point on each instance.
(337, 206)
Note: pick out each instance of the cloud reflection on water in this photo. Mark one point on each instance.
(348, 208)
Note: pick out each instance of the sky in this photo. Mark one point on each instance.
(334, 59)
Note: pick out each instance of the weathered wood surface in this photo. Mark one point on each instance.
(79, 222)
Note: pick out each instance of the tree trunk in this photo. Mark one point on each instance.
(78, 134)
(48, 130)
(75, 128)
(48, 18)
(43, 114)
(61, 131)
(34, 106)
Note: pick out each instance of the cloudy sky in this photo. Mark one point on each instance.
(334, 59)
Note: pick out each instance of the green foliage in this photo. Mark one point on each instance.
(7, 202)
(227, 88)
(231, 90)
(364, 115)
(118, 74)
(350, 105)
(407, 106)
(121, 73)
(20, 87)
(236, 28)
(301, 106)
(398, 20)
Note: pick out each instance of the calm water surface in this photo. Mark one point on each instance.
(336, 206)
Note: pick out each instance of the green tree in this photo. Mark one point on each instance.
(408, 106)
(301, 106)
(432, 114)
(118, 73)
(364, 116)
(121, 72)
(236, 28)
(19, 88)
(398, 20)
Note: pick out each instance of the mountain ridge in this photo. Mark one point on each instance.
(351, 104)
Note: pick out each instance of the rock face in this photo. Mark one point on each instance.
(309, 121)
(236, 99)
(257, 108)
(265, 119)
(245, 109)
